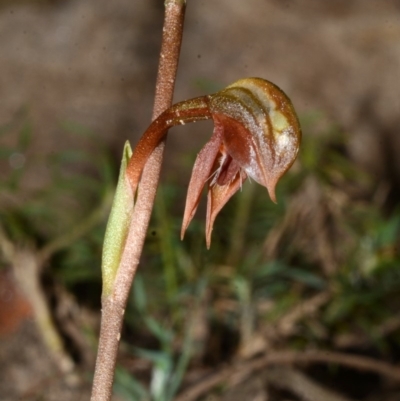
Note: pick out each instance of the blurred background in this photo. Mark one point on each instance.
(294, 301)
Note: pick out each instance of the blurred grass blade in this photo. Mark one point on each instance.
(127, 386)
(181, 365)
(25, 136)
(139, 294)
(163, 334)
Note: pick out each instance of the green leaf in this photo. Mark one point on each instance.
(163, 334)
(5, 153)
(75, 128)
(25, 136)
(127, 386)
(305, 277)
(161, 359)
(117, 226)
(389, 232)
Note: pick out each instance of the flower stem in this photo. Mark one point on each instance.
(113, 306)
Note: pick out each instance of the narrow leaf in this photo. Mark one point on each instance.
(118, 225)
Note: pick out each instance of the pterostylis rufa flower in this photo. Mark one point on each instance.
(256, 134)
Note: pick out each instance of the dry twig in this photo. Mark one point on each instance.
(26, 268)
(241, 370)
(286, 325)
(301, 385)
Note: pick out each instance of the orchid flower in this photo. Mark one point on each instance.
(256, 134)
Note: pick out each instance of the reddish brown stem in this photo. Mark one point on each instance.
(113, 306)
(179, 114)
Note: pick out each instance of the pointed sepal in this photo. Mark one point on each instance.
(201, 173)
(218, 196)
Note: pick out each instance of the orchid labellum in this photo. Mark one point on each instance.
(256, 134)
